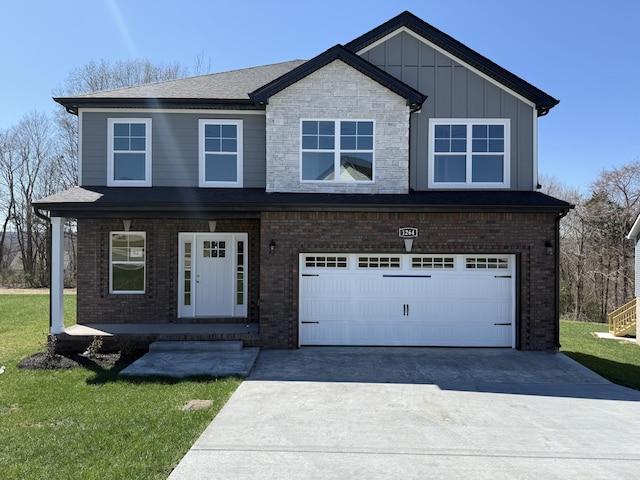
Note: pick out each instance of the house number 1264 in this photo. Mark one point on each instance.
(408, 232)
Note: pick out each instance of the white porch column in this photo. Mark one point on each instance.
(57, 275)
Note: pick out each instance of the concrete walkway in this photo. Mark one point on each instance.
(411, 413)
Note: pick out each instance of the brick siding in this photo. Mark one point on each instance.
(274, 281)
(159, 303)
(523, 235)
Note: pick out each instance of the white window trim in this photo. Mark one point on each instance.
(111, 262)
(468, 184)
(111, 182)
(337, 150)
(201, 154)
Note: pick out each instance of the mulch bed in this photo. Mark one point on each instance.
(48, 361)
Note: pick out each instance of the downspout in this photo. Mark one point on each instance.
(562, 214)
(414, 108)
(46, 218)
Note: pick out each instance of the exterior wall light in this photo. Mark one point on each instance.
(548, 247)
(272, 247)
(212, 226)
(126, 225)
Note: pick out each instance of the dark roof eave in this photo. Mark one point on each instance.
(200, 209)
(73, 104)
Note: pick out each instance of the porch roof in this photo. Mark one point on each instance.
(176, 202)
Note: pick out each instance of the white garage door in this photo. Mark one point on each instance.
(412, 300)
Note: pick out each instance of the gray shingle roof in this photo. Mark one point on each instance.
(231, 85)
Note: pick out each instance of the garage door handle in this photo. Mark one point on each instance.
(502, 276)
(503, 324)
(309, 322)
(405, 309)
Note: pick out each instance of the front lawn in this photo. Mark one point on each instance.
(88, 422)
(615, 360)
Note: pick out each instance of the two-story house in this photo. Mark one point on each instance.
(384, 192)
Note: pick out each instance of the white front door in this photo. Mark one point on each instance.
(212, 275)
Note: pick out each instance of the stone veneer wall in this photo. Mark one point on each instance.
(159, 304)
(337, 92)
(521, 234)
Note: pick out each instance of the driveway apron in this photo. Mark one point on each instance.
(416, 413)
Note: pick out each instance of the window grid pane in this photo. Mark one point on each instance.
(324, 155)
(220, 152)
(469, 153)
(128, 262)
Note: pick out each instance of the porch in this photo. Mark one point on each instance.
(138, 336)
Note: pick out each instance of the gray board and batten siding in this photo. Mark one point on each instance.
(454, 91)
(174, 146)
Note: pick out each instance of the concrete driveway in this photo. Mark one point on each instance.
(405, 413)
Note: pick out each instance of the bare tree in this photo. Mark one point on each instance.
(596, 259)
(101, 75)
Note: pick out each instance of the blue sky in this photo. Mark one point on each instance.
(585, 53)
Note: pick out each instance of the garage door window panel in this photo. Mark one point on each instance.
(440, 263)
(379, 262)
(486, 263)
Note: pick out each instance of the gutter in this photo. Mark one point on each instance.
(560, 216)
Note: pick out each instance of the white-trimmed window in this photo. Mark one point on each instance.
(220, 155)
(127, 262)
(129, 152)
(337, 151)
(469, 153)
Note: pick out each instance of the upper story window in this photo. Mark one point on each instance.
(337, 150)
(129, 152)
(220, 155)
(469, 153)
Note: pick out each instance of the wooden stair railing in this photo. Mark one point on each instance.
(623, 320)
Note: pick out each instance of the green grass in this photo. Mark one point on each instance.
(88, 422)
(615, 360)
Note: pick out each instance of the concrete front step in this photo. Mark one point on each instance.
(196, 346)
(185, 363)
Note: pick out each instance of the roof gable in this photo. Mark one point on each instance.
(542, 100)
(338, 52)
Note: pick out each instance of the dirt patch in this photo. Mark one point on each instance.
(47, 361)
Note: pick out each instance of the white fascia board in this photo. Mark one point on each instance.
(635, 230)
(536, 179)
(79, 152)
(452, 57)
